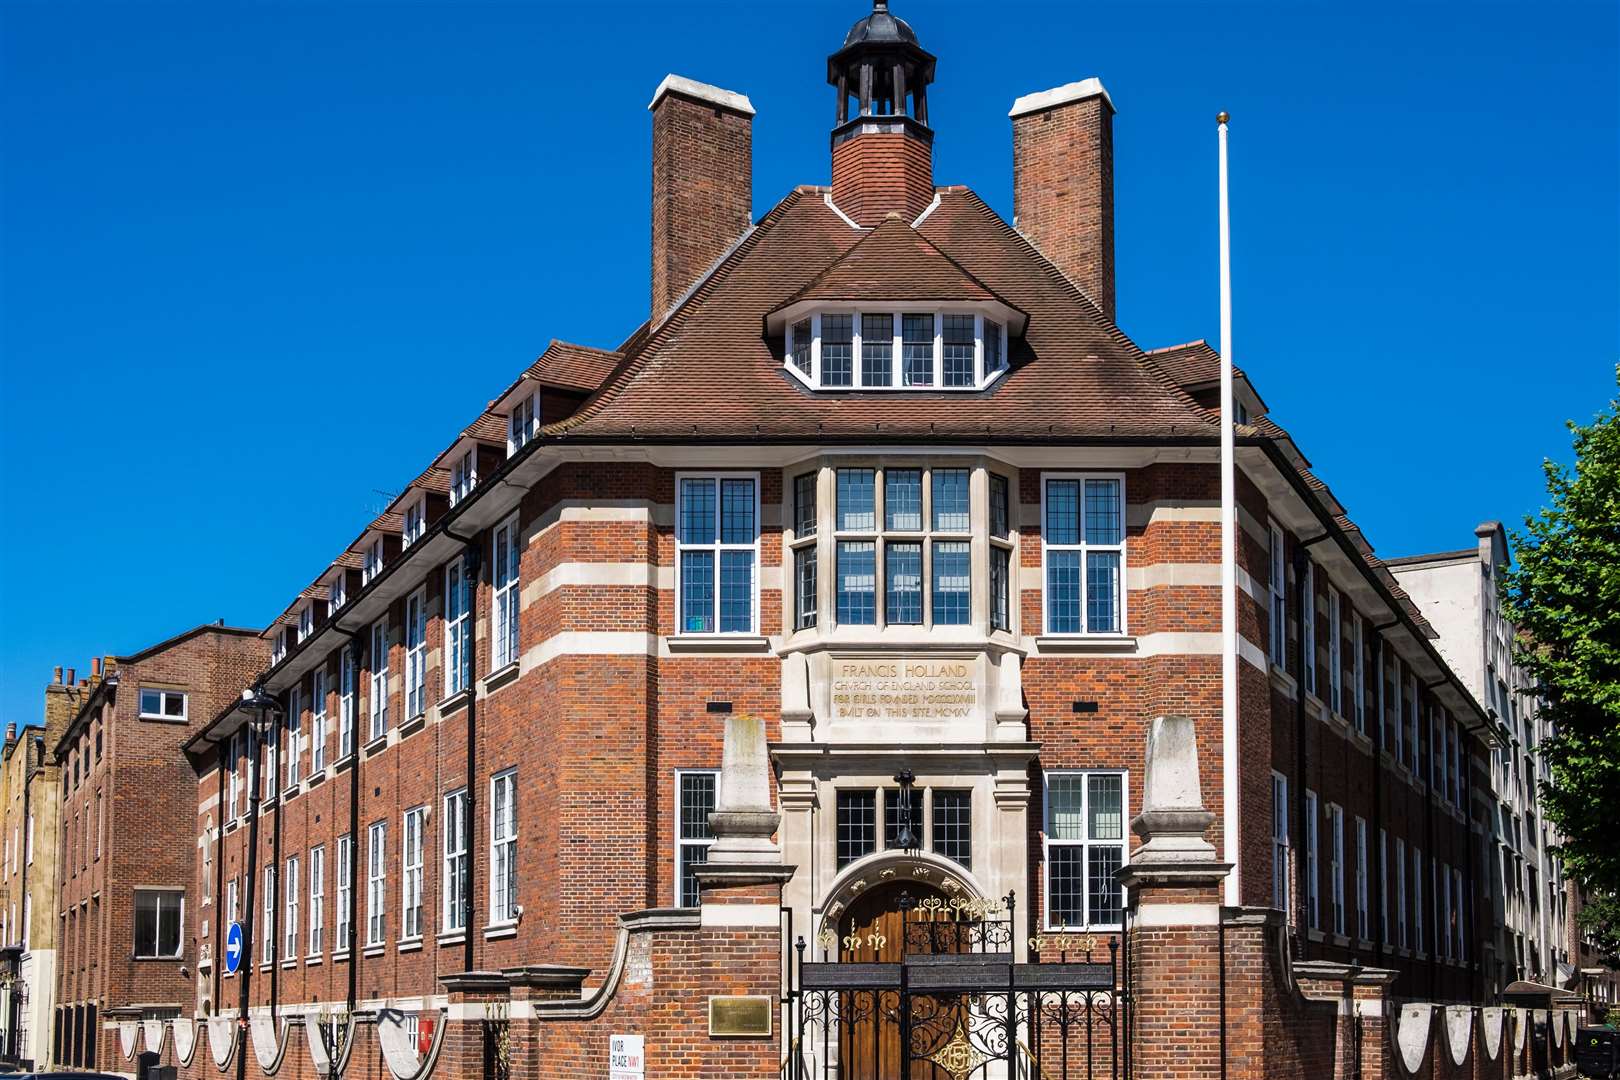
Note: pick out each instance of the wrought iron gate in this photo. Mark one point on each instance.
(957, 1006)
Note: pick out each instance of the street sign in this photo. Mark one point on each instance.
(233, 948)
(627, 1057)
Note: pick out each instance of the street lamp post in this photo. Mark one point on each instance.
(265, 706)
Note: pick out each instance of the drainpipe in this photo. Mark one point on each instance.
(250, 875)
(1302, 861)
(1380, 941)
(219, 878)
(471, 558)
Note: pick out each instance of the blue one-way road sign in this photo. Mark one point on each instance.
(233, 948)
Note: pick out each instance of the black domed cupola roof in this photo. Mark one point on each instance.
(882, 64)
(880, 27)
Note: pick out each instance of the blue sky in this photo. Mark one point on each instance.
(261, 261)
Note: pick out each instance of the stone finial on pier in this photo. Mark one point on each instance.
(744, 822)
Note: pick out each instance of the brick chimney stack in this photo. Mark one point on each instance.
(883, 156)
(1063, 182)
(702, 182)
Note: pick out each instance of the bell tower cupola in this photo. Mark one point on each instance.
(882, 147)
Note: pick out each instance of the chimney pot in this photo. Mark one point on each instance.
(11, 733)
(72, 676)
(702, 182)
(1063, 182)
(56, 675)
(95, 667)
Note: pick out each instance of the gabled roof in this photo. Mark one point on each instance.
(894, 262)
(708, 370)
(1195, 363)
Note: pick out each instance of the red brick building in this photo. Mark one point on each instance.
(880, 468)
(124, 933)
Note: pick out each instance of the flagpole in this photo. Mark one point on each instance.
(1229, 636)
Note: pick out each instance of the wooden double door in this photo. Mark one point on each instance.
(875, 930)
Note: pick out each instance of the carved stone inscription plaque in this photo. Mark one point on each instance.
(891, 688)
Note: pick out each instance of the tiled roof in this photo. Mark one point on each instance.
(434, 480)
(1195, 363)
(894, 262)
(567, 366)
(488, 428)
(708, 371)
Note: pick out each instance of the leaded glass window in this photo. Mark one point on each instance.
(1084, 540)
(717, 537)
(1085, 845)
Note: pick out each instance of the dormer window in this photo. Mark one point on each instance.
(278, 647)
(306, 621)
(373, 561)
(415, 522)
(338, 593)
(463, 477)
(897, 349)
(523, 424)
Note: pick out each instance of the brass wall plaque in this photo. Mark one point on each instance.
(740, 1015)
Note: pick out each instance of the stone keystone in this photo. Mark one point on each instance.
(743, 821)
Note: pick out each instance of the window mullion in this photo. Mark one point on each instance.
(815, 349)
(978, 349)
(896, 359)
(939, 350)
(856, 360)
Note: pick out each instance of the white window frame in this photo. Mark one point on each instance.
(413, 845)
(1307, 621)
(317, 899)
(1277, 561)
(1417, 899)
(1313, 888)
(165, 698)
(1383, 885)
(1335, 653)
(377, 724)
(414, 522)
(1360, 672)
(289, 929)
(505, 608)
(343, 916)
(1363, 907)
(233, 899)
(278, 646)
(458, 596)
(306, 621)
(1047, 843)
(522, 422)
(233, 776)
(162, 895)
(717, 547)
(1337, 867)
(463, 475)
(1084, 550)
(371, 563)
(269, 956)
(348, 694)
(292, 748)
(337, 593)
(682, 844)
(317, 720)
(376, 882)
(503, 905)
(1281, 843)
(416, 654)
(456, 853)
(1402, 936)
(983, 375)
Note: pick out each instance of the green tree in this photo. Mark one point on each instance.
(1564, 595)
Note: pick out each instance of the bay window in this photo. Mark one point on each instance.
(1084, 553)
(717, 546)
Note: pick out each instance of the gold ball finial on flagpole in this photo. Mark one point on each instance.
(1222, 118)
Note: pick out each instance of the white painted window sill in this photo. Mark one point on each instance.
(730, 643)
(1085, 643)
(411, 945)
(504, 930)
(452, 937)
